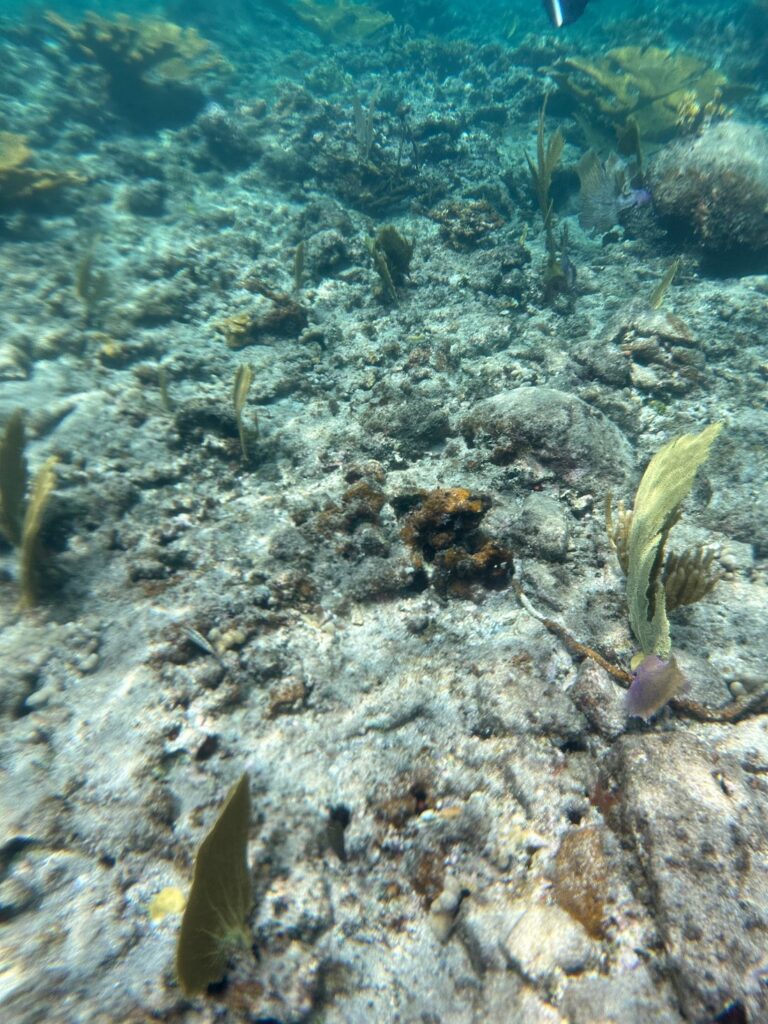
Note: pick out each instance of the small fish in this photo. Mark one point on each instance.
(199, 641)
(564, 12)
(634, 197)
(655, 681)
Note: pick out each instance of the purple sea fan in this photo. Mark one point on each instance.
(654, 682)
(603, 194)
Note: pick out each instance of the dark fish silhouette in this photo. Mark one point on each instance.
(564, 12)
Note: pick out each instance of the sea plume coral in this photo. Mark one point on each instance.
(641, 536)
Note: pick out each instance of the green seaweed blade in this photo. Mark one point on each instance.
(665, 484)
(220, 897)
(30, 567)
(13, 478)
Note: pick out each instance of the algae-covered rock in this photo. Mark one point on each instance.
(714, 188)
(551, 428)
(546, 941)
(691, 819)
(631, 996)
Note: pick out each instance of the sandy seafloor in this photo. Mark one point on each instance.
(518, 850)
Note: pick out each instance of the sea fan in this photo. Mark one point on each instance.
(604, 193)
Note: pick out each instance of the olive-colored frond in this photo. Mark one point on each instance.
(13, 478)
(667, 480)
(554, 151)
(548, 155)
(533, 170)
(30, 562)
(689, 576)
(220, 897)
(657, 295)
(240, 388)
(618, 532)
(242, 383)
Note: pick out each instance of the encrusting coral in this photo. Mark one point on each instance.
(442, 529)
(285, 318)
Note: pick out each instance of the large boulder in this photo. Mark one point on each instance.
(714, 188)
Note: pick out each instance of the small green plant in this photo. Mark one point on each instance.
(22, 512)
(656, 297)
(391, 254)
(162, 383)
(240, 388)
(363, 123)
(13, 478)
(559, 273)
(214, 921)
(30, 555)
(547, 158)
(298, 266)
(91, 285)
(657, 583)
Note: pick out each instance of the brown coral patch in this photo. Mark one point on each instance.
(405, 801)
(152, 65)
(465, 224)
(442, 528)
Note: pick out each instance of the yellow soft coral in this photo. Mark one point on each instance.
(648, 83)
(23, 186)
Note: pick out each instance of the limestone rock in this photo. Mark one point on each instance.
(695, 820)
(553, 428)
(546, 940)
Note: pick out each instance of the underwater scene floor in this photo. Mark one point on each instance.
(383, 514)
